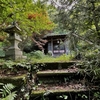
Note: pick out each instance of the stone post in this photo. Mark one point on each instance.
(13, 52)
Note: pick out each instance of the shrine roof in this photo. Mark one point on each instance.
(55, 35)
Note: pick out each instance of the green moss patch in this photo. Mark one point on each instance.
(37, 93)
(16, 80)
(56, 72)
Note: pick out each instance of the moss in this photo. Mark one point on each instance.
(54, 73)
(41, 92)
(46, 59)
(54, 65)
(15, 80)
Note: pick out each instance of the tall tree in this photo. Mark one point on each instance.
(82, 19)
(31, 17)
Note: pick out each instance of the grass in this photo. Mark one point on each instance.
(62, 58)
(37, 57)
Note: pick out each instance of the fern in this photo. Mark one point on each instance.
(11, 96)
(6, 91)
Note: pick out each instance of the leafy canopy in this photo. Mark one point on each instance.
(30, 16)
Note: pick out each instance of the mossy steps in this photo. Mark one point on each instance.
(15, 80)
(59, 78)
(52, 80)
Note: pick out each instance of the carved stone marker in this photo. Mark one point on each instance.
(13, 52)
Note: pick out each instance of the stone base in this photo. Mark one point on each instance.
(14, 54)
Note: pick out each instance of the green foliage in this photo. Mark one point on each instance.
(12, 65)
(82, 18)
(46, 58)
(1, 61)
(9, 64)
(6, 91)
(33, 58)
(64, 97)
(2, 54)
(1, 50)
(82, 21)
(11, 96)
(82, 96)
(91, 62)
(97, 96)
(31, 16)
(37, 54)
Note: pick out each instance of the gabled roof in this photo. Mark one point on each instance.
(54, 35)
(12, 28)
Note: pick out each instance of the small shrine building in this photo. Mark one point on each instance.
(57, 44)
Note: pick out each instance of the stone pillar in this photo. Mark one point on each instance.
(13, 52)
(67, 48)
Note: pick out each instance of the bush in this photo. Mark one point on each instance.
(37, 55)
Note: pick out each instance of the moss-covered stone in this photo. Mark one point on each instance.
(56, 92)
(15, 80)
(55, 65)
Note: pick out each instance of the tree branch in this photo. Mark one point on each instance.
(37, 43)
(67, 6)
(82, 38)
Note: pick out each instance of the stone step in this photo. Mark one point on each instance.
(58, 76)
(16, 77)
(49, 80)
(61, 89)
(55, 65)
(18, 80)
(58, 72)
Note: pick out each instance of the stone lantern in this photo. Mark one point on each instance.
(13, 52)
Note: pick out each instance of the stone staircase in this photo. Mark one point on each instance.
(61, 81)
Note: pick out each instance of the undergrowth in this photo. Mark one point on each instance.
(40, 57)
